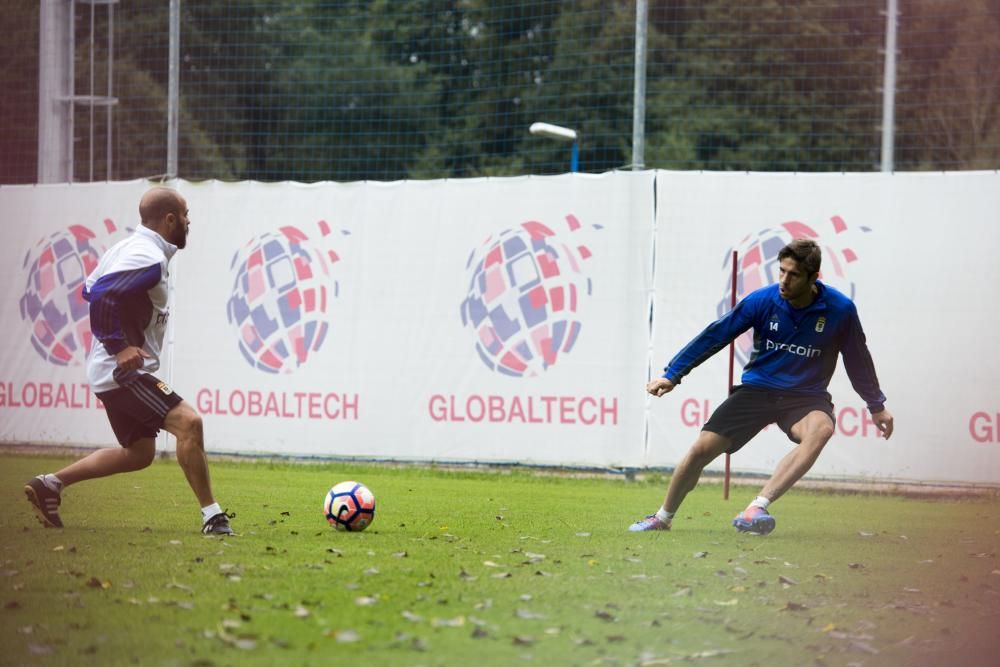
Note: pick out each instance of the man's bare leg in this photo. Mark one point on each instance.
(186, 425)
(813, 432)
(708, 447)
(109, 461)
(705, 449)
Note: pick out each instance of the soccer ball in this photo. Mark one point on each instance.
(349, 506)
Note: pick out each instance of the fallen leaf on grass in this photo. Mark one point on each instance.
(700, 554)
(344, 636)
(684, 592)
(528, 615)
(726, 603)
(245, 642)
(523, 640)
(179, 586)
(787, 581)
(301, 612)
(713, 653)
(863, 647)
(411, 617)
(793, 606)
(365, 601)
(456, 622)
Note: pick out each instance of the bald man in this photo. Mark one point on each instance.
(127, 293)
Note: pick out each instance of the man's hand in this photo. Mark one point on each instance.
(883, 420)
(131, 358)
(660, 386)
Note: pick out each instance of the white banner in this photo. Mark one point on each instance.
(473, 320)
(52, 237)
(508, 320)
(916, 251)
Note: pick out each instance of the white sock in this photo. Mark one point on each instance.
(52, 482)
(761, 502)
(663, 515)
(209, 511)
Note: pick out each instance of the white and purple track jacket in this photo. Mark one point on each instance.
(128, 305)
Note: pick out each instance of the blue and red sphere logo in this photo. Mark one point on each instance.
(281, 296)
(526, 288)
(52, 302)
(757, 265)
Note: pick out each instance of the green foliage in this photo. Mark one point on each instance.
(19, 86)
(490, 568)
(372, 89)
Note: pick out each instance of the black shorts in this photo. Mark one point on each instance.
(137, 409)
(749, 409)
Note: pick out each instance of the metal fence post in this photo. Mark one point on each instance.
(889, 86)
(639, 88)
(173, 87)
(55, 87)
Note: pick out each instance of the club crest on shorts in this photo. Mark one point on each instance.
(164, 387)
(820, 324)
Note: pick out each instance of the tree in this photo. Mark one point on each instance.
(948, 105)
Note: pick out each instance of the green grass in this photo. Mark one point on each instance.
(488, 568)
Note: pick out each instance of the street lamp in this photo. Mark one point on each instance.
(560, 133)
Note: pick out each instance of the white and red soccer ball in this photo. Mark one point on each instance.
(349, 506)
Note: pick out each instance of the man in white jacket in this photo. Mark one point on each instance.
(127, 293)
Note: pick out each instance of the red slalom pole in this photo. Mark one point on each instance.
(732, 357)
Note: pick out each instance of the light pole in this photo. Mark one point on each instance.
(560, 133)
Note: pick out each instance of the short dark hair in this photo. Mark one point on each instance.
(804, 251)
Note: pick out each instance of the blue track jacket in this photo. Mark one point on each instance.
(794, 349)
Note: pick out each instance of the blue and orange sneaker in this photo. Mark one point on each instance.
(754, 520)
(651, 522)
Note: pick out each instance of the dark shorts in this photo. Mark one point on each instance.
(749, 409)
(137, 409)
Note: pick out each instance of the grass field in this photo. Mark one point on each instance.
(488, 568)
